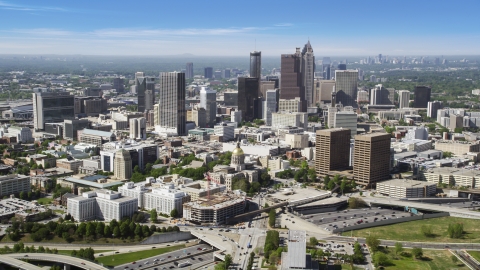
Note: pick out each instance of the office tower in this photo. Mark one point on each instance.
(199, 116)
(270, 105)
(141, 87)
(138, 128)
(362, 97)
(342, 67)
(52, 108)
(323, 90)
(346, 86)
(256, 64)
(380, 59)
(236, 117)
(373, 78)
(217, 74)
(308, 73)
(290, 105)
(226, 73)
(421, 96)
(264, 87)
(71, 128)
(171, 102)
(433, 107)
(326, 68)
(403, 99)
(291, 77)
(189, 71)
(332, 151)
(208, 101)
(149, 94)
(230, 98)
(381, 95)
(347, 120)
(118, 84)
(122, 165)
(273, 78)
(371, 158)
(247, 98)
(208, 73)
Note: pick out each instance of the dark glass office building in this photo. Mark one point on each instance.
(422, 96)
(208, 73)
(247, 97)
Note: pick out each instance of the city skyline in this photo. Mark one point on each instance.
(111, 28)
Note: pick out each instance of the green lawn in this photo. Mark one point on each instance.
(432, 259)
(475, 254)
(121, 258)
(45, 201)
(69, 252)
(410, 231)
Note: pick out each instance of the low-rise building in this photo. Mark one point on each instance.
(403, 188)
(14, 184)
(101, 204)
(457, 147)
(73, 165)
(215, 210)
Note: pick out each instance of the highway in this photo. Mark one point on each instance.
(73, 261)
(167, 257)
(16, 263)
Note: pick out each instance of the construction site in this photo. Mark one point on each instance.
(214, 210)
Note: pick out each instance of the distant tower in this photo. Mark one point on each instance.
(208, 72)
(122, 165)
(118, 85)
(422, 96)
(189, 71)
(138, 128)
(342, 67)
(208, 101)
(150, 93)
(256, 64)
(346, 84)
(291, 86)
(334, 98)
(248, 98)
(141, 87)
(308, 73)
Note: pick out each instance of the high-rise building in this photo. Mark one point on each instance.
(273, 78)
(346, 86)
(71, 128)
(52, 108)
(141, 87)
(264, 87)
(323, 90)
(256, 64)
(327, 75)
(122, 165)
(226, 73)
(171, 109)
(291, 77)
(433, 107)
(230, 98)
(247, 98)
(346, 119)
(381, 95)
(308, 73)
(118, 84)
(208, 73)
(403, 99)
(371, 158)
(332, 150)
(189, 71)
(149, 94)
(342, 67)
(138, 128)
(208, 101)
(421, 96)
(270, 105)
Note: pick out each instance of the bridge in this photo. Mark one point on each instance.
(454, 212)
(240, 217)
(67, 261)
(18, 263)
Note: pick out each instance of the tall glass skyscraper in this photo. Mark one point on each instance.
(171, 104)
(208, 101)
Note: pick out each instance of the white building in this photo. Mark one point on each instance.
(433, 107)
(236, 116)
(290, 105)
(346, 119)
(296, 119)
(403, 99)
(208, 101)
(298, 141)
(101, 204)
(129, 189)
(165, 199)
(227, 130)
(23, 134)
(138, 128)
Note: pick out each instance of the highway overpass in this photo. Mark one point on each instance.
(56, 258)
(241, 217)
(18, 263)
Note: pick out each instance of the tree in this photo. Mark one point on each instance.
(398, 247)
(447, 154)
(154, 215)
(100, 228)
(455, 230)
(326, 180)
(90, 230)
(107, 232)
(228, 261)
(116, 231)
(136, 169)
(272, 215)
(427, 231)
(343, 185)
(313, 241)
(417, 252)
(380, 259)
(174, 213)
(22, 195)
(373, 242)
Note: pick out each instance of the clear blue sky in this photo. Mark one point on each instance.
(348, 27)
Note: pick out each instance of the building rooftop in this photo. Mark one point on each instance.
(97, 132)
(406, 183)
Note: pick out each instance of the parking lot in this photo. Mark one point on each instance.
(340, 219)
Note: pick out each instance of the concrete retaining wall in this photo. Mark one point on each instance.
(388, 222)
(167, 237)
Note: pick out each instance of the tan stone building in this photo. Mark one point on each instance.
(371, 158)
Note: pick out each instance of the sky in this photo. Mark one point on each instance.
(234, 28)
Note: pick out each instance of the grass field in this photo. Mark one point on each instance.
(45, 201)
(69, 252)
(432, 259)
(410, 231)
(475, 254)
(134, 256)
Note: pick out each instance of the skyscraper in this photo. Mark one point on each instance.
(141, 87)
(118, 84)
(138, 128)
(270, 105)
(256, 64)
(291, 77)
(326, 68)
(342, 67)
(381, 95)
(189, 71)
(332, 150)
(52, 108)
(122, 165)
(248, 98)
(208, 72)
(171, 104)
(308, 73)
(433, 107)
(421, 96)
(208, 101)
(149, 93)
(371, 158)
(346, 86)
(403, 99)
